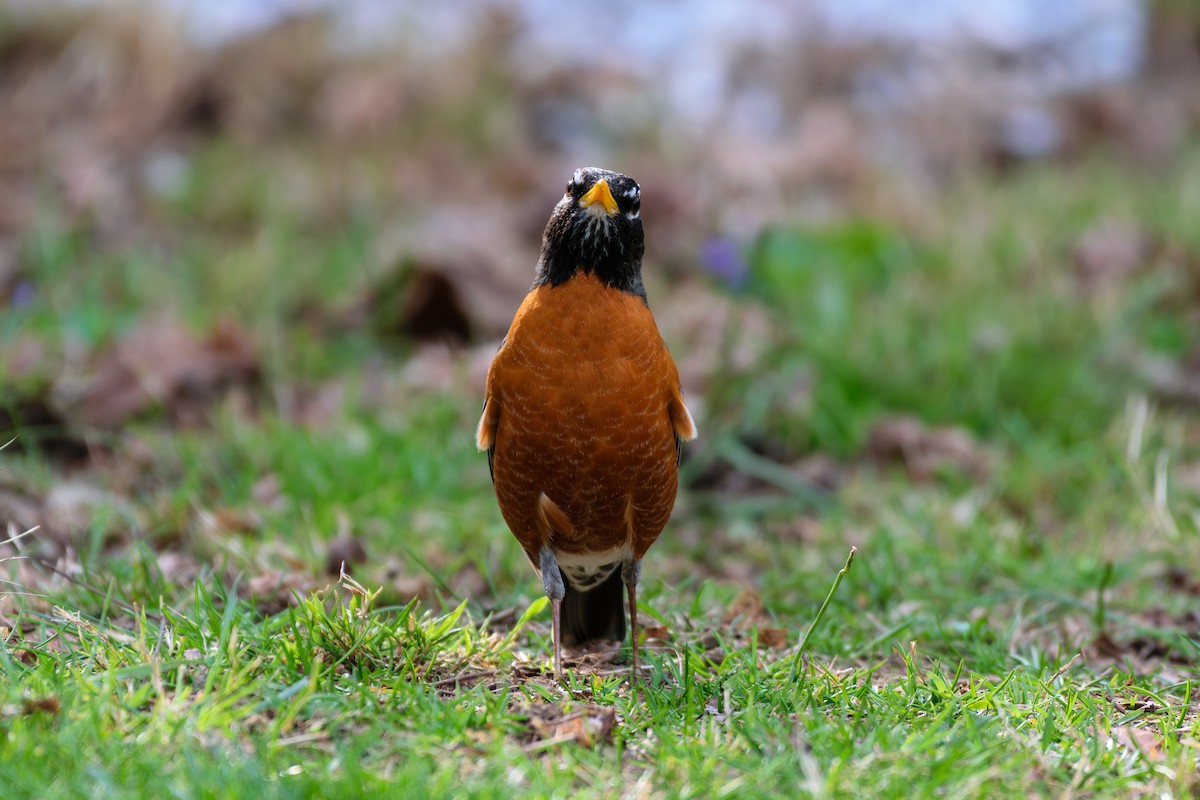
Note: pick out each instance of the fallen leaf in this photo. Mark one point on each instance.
(1144, 704)
(655, 633)
(227, 521)
(177, 568)
(1109, 253)
(41, 705)
(469, 582)
(820, 470)
(311, 406)
(1175, 381)
(266, 491)
(590, 656)
(550, 725)
(30, 706)
(745, 609)
(1105, 645)
(925, 450)
(343, 553)
(160, 364)
(433, 368)
(275, 591)
(772, 637)
(1152, 648)
(26, 657)
(72, 508)
(1179, 579)
(1139, 740)
(407, 587)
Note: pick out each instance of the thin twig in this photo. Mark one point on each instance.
(554, 741)
(1064, 668)
(47, 566)
(466, 676)
(17, 536)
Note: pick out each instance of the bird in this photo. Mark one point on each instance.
(584, 417)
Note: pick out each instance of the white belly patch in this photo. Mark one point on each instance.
(586, 571)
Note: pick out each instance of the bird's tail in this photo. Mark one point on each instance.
(598, 613)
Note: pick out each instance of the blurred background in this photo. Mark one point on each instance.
(924, 268)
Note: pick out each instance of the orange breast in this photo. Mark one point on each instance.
(583, 389)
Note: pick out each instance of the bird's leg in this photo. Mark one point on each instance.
(631, 573)
(552, 583)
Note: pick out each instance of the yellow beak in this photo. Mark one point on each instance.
(600, 193)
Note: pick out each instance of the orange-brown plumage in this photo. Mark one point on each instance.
(583, 415)
(581, 398)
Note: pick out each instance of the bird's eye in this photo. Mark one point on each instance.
(569, 185)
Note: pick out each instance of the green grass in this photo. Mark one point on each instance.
(945, 663)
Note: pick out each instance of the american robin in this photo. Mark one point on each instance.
(583, 418)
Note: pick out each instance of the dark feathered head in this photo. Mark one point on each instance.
(595, 228)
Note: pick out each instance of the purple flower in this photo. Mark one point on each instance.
(22, 294)
(722, 259)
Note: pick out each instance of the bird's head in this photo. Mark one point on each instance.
(596, 227)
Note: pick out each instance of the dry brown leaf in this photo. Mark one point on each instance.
(178, 568)
(162, 364)
(591, 656)
(433, 368)
(343, 553)
(71, 508)
(32, 705)
(1151, 649)
(1140, 740)
(820, 470)
(266, 491)
(274, 591)
(550, 725)
(745, 609)
(655, 633)
(27, 357)
(469, 582)
(1104, 645)
(227, 521)
(13, 635)
(410, 586)
(924, 450)
(1109, 253)
(41, 705)
(772, 637)
(311, 406)
(1179, 579)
